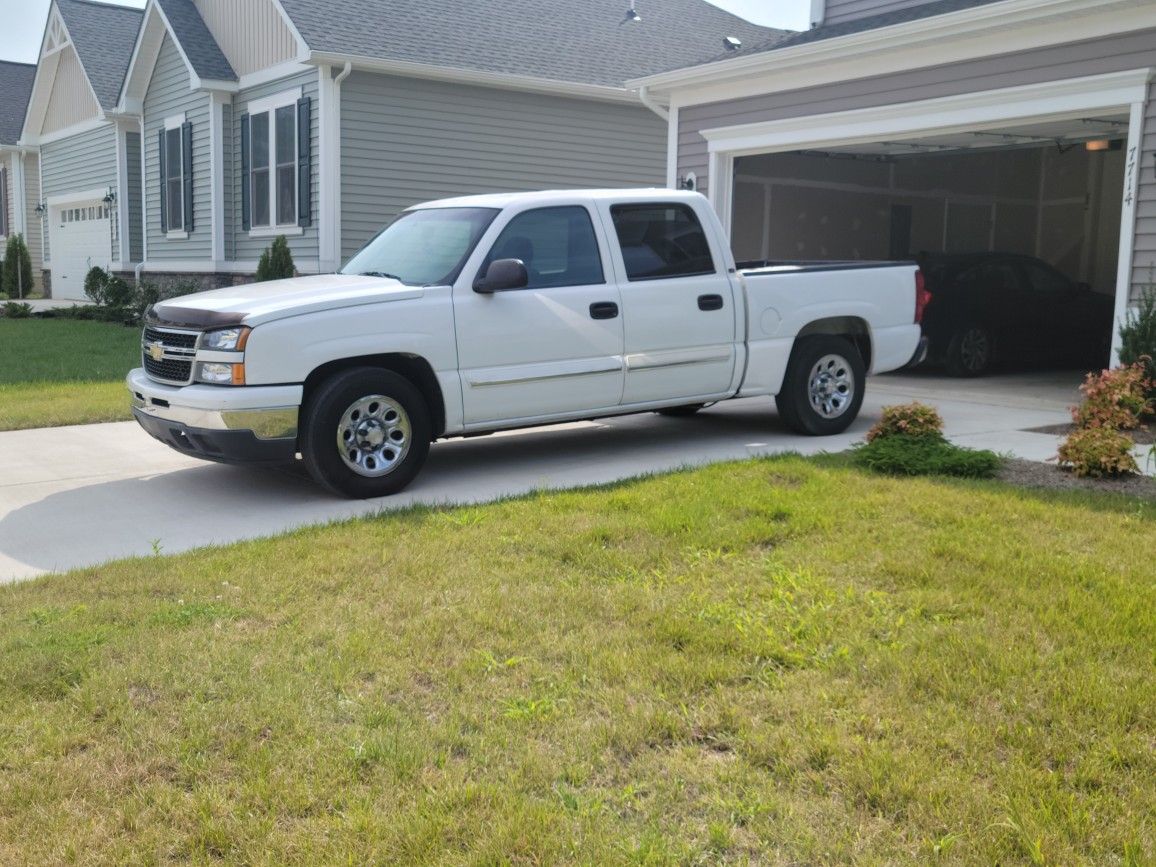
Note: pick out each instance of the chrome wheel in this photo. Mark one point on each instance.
(974, 349)
(374, 435)
(831, 386)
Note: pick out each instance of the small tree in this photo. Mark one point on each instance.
(276, 262)
(1138, 335)
(16, 274)
(96, 284)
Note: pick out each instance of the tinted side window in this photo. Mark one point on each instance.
(1045, 281)
(661, 241)
(557, 246)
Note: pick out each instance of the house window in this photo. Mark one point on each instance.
(174, 186)
(274, 160)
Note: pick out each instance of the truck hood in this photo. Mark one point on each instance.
(255, 303)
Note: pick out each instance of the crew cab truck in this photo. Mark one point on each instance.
(483, 313)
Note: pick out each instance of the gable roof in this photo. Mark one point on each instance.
(15, 89)
(104, 36)
(581, 42)
(196, 42)
(871, 22)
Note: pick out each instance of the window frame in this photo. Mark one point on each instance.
(268, 106)
(658, 204)
(488, 260)
(173, 125)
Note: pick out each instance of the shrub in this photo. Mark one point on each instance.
(926, 455)
(1116, 399)
(15, 310)
(16, 271)
(148, 294)
(1138, 336)
(276, 262)
(1098, 451)
(909, 419)
(95, 283)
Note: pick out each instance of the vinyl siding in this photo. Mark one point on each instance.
(245, 248)
(252, 35)
(168, 94)
(839, 11)
(86, 161)
(135, 225)
(1073, 60)
(34, 234)
(406, 140)
(71, 101)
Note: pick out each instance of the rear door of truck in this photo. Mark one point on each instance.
(678, 302)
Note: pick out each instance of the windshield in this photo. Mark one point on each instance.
(423, 248)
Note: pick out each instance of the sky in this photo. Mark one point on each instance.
(24, 20)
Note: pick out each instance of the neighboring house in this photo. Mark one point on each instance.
(895, 126)
(320, 121)
(19, 167)
(89, 154)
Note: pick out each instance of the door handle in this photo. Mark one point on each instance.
(603, 310)
(710, 302)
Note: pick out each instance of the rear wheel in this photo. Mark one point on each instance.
(970, 351)
(823, 387)
(365, 433)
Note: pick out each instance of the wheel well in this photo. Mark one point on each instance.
(851, 327)
(413, 367)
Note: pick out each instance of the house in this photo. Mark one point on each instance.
(19, 167)
(89, 153)
(322, 121)
(898, 126)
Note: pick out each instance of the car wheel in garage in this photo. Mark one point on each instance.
(970, 351)
(823, 387)
(365, 433)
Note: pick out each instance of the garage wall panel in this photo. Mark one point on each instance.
(79, 163)
(1053, 63)
(405, 140)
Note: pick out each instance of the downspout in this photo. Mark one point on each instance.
(644, 98)
(344, 74)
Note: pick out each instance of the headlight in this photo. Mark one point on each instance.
(220, 373)
(226, 340)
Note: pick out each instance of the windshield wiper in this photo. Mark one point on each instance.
(380, 274)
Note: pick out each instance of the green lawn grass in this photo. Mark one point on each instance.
(777, 661)
(59, 371)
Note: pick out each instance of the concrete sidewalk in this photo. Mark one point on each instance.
(78, 496)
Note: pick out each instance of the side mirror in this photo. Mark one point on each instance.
(503, 275)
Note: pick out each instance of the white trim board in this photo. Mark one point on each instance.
(1060, 100)
(96, 194)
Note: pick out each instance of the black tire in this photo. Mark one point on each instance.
(334, 403)
(970, 351)
(680, 411)
(845, 376)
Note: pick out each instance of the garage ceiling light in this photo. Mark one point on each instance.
(1098, 145)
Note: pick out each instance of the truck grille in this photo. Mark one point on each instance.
(176, 350)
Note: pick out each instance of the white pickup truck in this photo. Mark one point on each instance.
(477, 314)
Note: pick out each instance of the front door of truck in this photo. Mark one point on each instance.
(553, 347)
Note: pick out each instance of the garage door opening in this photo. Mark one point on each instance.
(1018, 229)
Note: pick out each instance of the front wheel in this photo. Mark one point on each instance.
(365, 433)
(823, 388)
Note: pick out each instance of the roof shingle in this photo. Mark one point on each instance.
(104, 36)
(196, 41)
(15, 89)
(560, 40)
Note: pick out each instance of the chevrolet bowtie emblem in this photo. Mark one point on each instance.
(156, 351)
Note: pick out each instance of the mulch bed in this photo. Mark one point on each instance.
(1033, 474)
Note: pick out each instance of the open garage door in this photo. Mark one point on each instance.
(79, 239)
(1017, 228)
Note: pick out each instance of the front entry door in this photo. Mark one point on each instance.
(553, 347)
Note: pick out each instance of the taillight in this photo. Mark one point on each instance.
(922, 296)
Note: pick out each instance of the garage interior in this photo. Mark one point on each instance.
(1049, 190)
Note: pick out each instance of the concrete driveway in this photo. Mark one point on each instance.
(78, 496)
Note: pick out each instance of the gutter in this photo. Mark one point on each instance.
(644, 98)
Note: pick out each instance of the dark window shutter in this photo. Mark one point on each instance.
(246, 187)
(304, 164)
(3, 201)
(187, 155)
(164, 181)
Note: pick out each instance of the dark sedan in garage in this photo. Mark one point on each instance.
(1011, 310)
